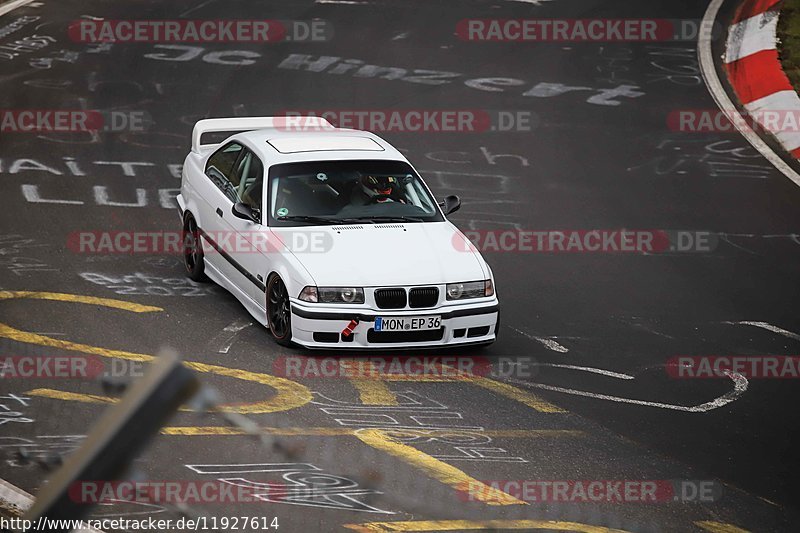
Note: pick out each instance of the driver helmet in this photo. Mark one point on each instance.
(377, 185)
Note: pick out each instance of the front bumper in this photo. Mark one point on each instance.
(464, 324)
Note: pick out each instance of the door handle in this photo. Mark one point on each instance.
(219, 211)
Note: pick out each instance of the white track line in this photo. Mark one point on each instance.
(550, 344)
(224, 340)
(11, 6)
(769, 327)
(707, 68)
(534, 2)
(590, 369)
(740, 384)
(195, 8)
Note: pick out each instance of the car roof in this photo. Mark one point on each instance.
(281, 145)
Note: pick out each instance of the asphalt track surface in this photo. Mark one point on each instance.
(585, 166)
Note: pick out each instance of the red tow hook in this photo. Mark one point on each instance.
(347, 331)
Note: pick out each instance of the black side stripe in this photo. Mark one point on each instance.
(233, 262)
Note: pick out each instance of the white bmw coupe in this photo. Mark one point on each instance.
(330, 238)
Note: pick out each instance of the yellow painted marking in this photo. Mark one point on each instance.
(374, 392)
(70, 396)
(292, 431)
(719, 527)
(504, 389)
(513, 393)
(90, 398)
(42, 340)
(371, 391)
(289, 393)
(443, 472)
(472, 525)
(346, 432)
(287, 432)
(203, 430)
(77, 298)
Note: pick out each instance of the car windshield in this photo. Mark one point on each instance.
(335, 192)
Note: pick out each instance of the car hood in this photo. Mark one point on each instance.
(372, 255)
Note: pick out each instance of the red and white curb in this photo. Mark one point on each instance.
(755, 73)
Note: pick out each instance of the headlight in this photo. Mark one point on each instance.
(333, 295)
(471, 289)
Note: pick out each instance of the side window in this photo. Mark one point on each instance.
(250, 175)
(220, 169)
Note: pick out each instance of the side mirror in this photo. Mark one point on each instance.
(245, 212)
(451, 204)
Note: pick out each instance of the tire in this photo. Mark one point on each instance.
(279, 315)
(193, 259)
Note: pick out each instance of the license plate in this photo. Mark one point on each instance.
(407, 323)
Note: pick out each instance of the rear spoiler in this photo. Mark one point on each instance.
(297, 123)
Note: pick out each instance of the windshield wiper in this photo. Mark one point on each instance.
(318, 220)
(390, 219)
